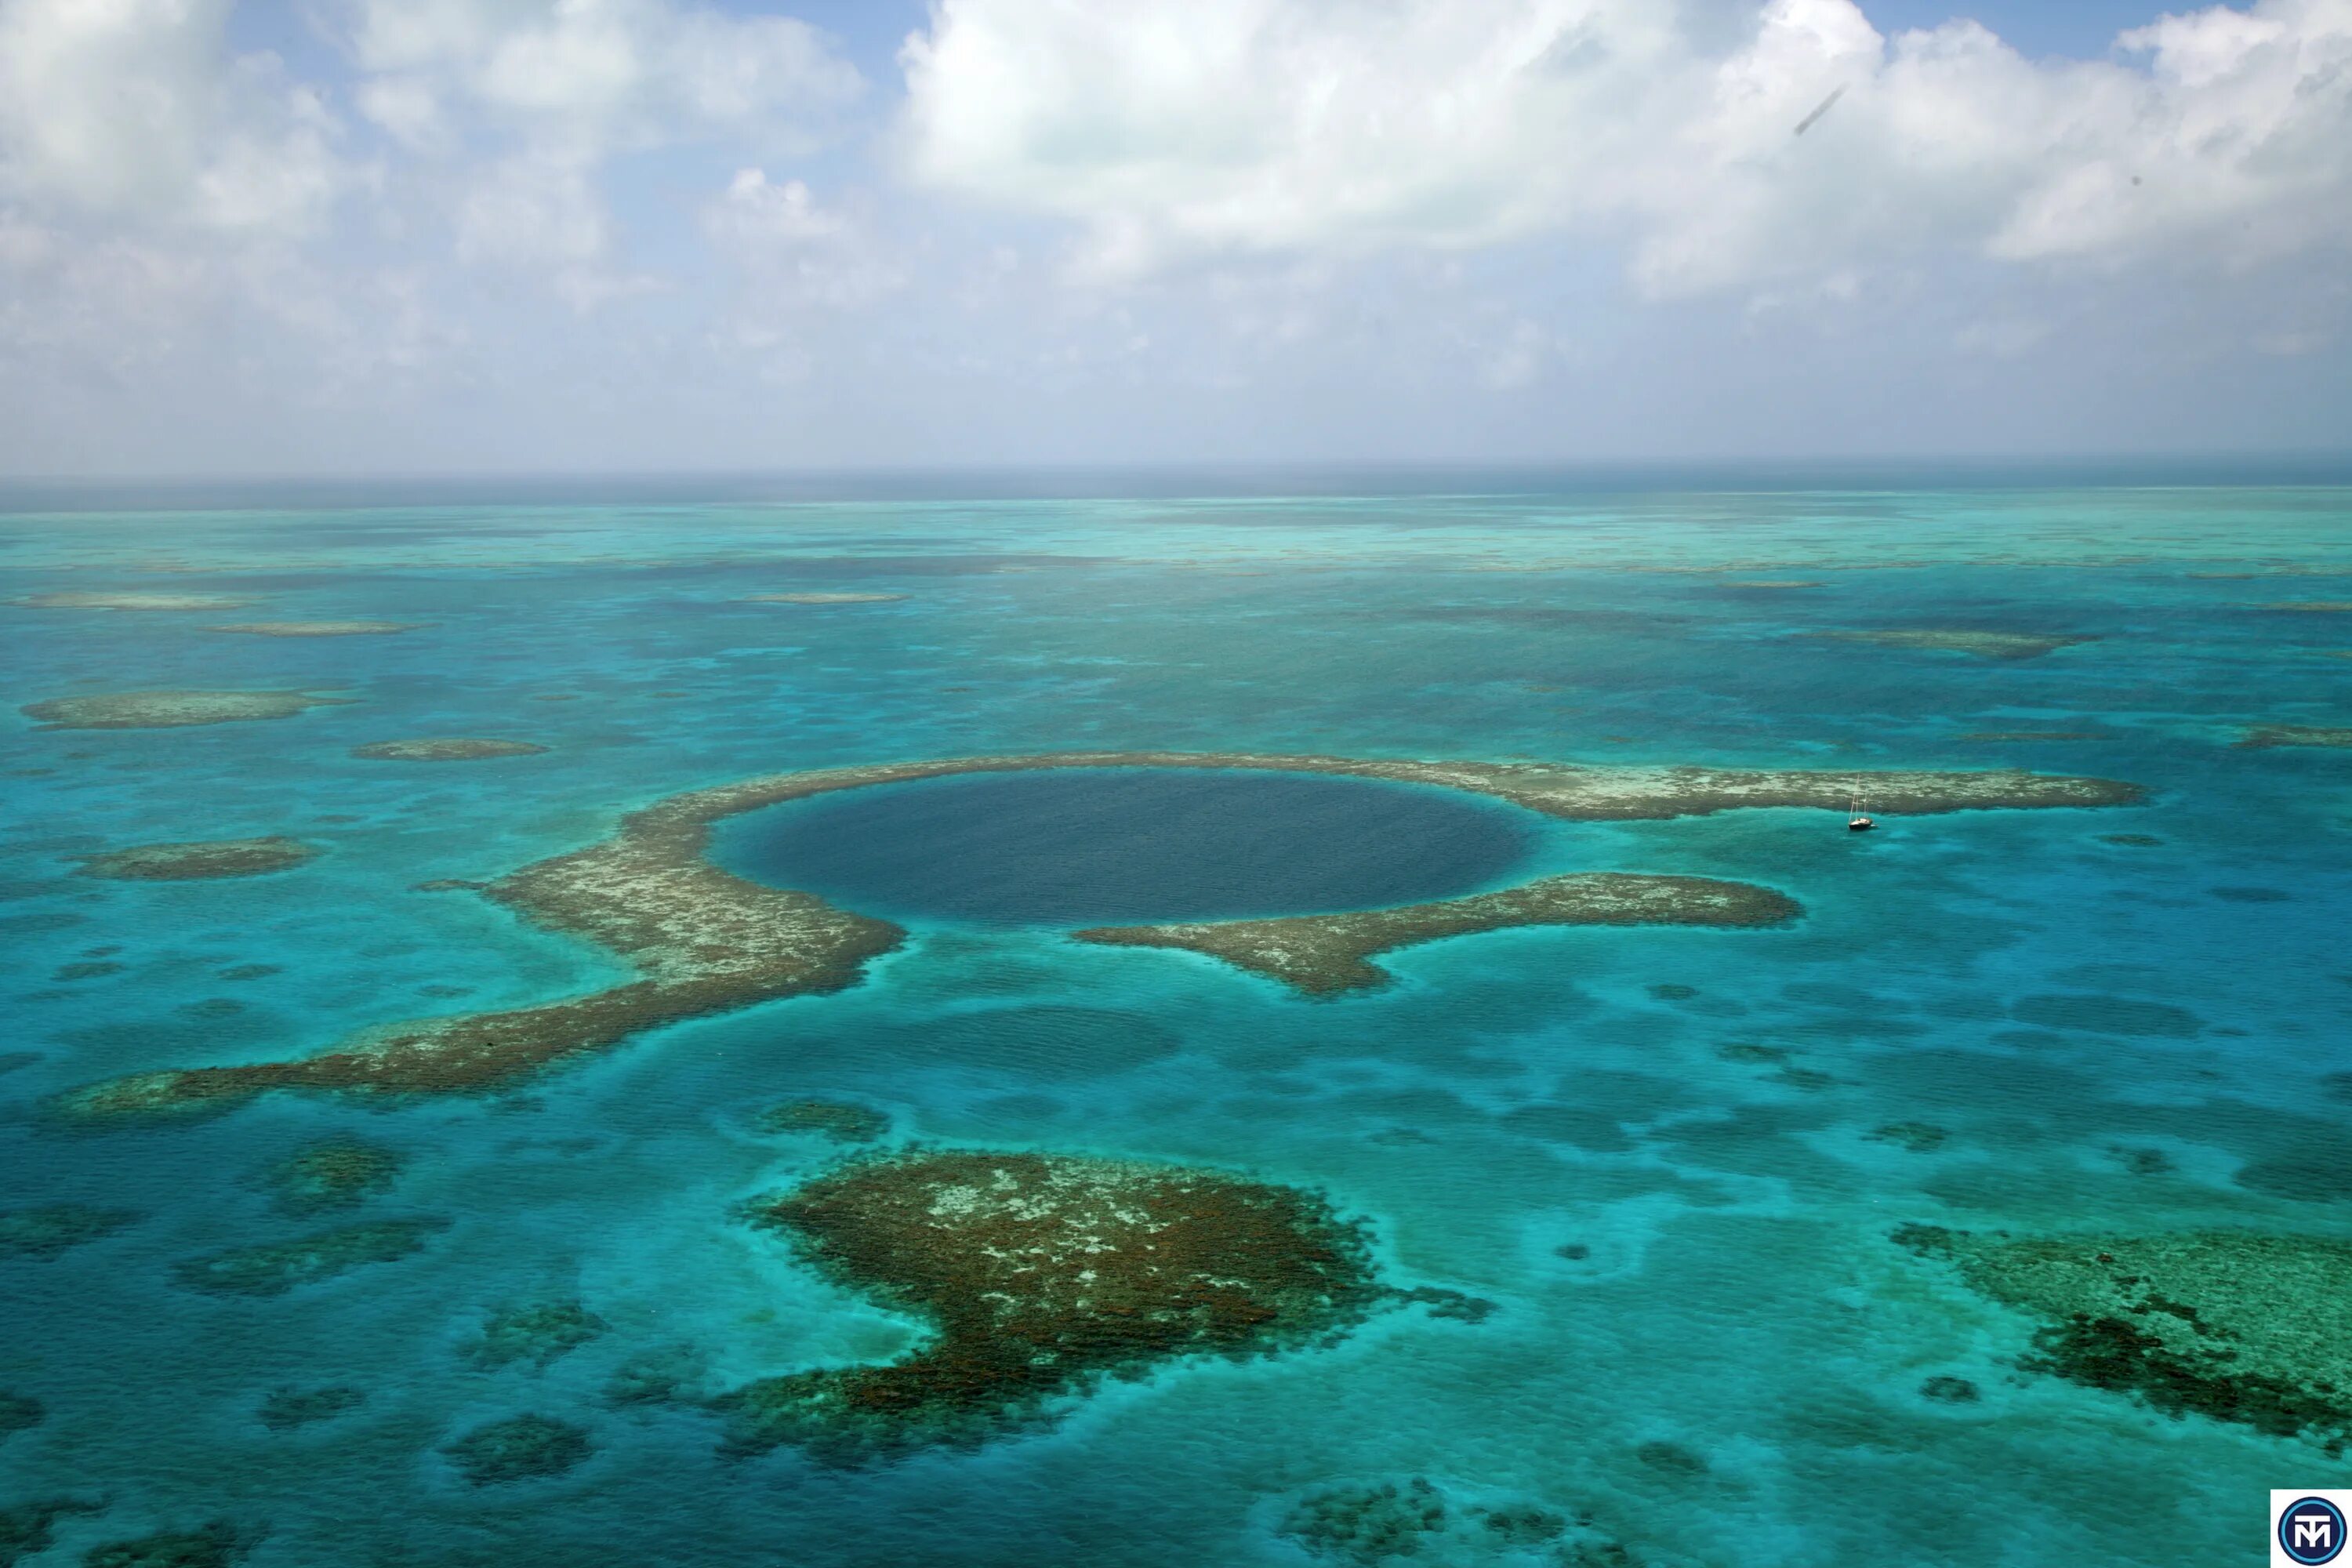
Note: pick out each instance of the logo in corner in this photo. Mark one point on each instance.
(2307, 1527)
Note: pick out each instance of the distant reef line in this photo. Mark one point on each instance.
(704, 942)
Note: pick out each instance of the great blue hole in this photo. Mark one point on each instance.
(1069, 847)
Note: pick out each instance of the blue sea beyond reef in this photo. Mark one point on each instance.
(1690, 1191)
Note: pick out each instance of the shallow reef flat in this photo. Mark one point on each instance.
(1982, 644)
(275, 1268)
(198, 859)
(823, 599)
(101, 601)
(171, 709)
(445, 748)
(1039, 1276)
(704, 941)
(2262, 736)
(2236, 1325)
(322, 628)
(1324, 954)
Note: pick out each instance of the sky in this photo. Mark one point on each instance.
(448, 236)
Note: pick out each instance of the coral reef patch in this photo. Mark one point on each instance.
(275, 1268)
(1919, 1137)
(519, 1448)
(171, 709)
(215, 1545)
(1038, 1277)
(1365, 1524)
(539, 1334)
(331, 1173)
(703, 941)
(18, 1412)
(2263, 736)
(287, 1408)
(1982, 644)
(27, 1528)
(322, 628)
(198, 859)
(52, 1229)
(445, 748)
(1323, 954)
(2235, 1325)
(837, 1119)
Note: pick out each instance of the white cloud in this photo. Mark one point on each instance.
(523, 101)
(134, 111)
(794, 250)
(595, 75)
(1177, 128)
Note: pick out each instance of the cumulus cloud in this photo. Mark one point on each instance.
(1179, 128)
(564, 85)
(795, 250)
(135, 110)
(595, 75)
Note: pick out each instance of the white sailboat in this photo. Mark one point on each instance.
(1857, 818)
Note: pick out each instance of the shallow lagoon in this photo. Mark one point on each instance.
(1673, 1159)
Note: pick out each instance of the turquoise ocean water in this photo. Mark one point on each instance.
(1702, 1339)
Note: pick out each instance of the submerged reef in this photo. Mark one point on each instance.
(170, 710)
(19, 1411)
(331, 1173)
(202, 857)
(1038, 1276)
(88, 601)
(322, 628)
(823, 599)
(276, 1267)
(1321, 954)
(703, 941)
(834, 1119)
(2266, 735)
(287, 1408)
(2235, 1325)
(447, 749)
(519, 1448)
(537, 1334)
(54, 1228)
(1982, 644)
(1367, 1524)
(1919, 1137)
(27, 1528)
(215, 1545)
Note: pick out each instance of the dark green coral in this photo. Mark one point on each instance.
(1038, 1277)
(2232, 1325)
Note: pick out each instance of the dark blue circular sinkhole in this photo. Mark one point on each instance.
(1105, 845)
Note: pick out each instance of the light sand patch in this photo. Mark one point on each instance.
(77, 601)
(322, 628)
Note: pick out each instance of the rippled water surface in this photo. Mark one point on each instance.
(1672, 1160)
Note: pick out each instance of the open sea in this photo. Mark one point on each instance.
(1671, 1159)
